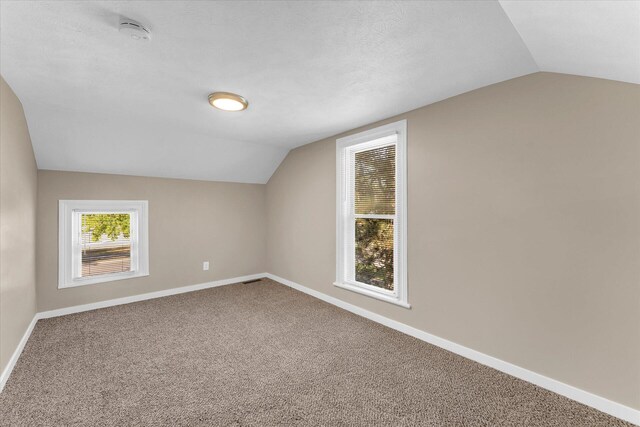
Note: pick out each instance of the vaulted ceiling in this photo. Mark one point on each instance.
(97, 101)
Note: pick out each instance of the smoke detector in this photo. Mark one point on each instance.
(134, 29)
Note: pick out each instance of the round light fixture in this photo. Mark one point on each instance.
(227, 101)
(134, 29)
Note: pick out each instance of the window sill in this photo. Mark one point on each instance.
(372, 294)
(101, 279)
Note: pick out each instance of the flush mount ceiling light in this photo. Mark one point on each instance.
(227, 101)
(134, 29)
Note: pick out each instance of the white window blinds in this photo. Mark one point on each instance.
(105, 243)
(375, 181)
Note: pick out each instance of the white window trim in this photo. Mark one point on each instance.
(140, 245)
(379, 136)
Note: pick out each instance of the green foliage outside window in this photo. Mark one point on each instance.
(374, 252)
(113, 225)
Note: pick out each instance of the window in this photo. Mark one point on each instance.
(101, 241)
(371, 213)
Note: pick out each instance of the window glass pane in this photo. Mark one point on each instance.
(374, 252)
(375, 181)
(106, 243)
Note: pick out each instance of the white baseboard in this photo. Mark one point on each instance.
(16, 354)
(600, 403)
(147, 296)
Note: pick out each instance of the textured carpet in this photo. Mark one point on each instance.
(259, 354)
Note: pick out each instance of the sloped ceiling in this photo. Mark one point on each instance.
(97, 101)
(586, 38)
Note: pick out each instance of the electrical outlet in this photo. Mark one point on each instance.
(205, 265)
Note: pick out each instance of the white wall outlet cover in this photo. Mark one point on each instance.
(205, 265)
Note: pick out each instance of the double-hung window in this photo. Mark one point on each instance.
(101, 241)
(371, 213)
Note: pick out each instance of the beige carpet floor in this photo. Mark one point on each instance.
(259, 354)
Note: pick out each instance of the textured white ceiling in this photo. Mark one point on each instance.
(96, 101)
(588, 38)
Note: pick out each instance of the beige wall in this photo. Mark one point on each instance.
(189, 222)
(523, 233)
(17, 223)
